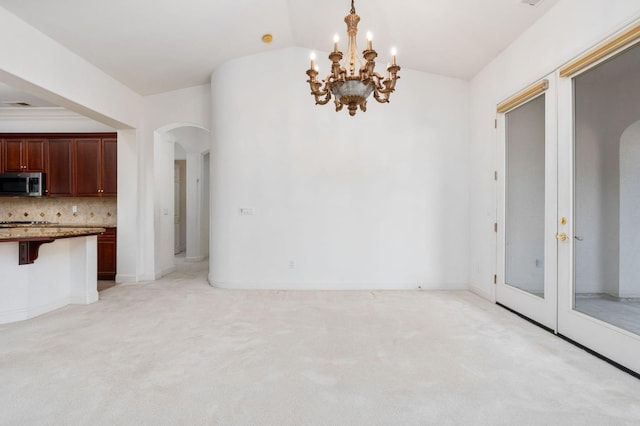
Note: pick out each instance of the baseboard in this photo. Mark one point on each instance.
(484, 293)
(332, 286)
(92, 297)
(32, 311)
(122, 278)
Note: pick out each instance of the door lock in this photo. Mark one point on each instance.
(562, 236)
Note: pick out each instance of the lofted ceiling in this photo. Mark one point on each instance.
(154, 46)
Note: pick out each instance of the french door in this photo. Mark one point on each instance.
(526, 279)
(569, 201)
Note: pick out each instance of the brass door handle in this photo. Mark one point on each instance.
(561, 236)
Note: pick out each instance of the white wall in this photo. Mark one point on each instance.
(163, 162)
(379, 200)
(568, 29)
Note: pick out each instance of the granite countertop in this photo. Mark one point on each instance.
(46, 231)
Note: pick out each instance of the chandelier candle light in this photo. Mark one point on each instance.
(352, 87)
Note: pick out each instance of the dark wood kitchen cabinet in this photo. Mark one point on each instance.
(76, 164)
(60, 170)
(87, 173)
(95, 173)
(24, 155)
(107, 244)
(109, 178)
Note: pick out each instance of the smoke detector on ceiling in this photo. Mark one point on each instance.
(531, 2)
(17, 104)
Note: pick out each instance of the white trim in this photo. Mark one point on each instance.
(32, 311)
(303, 286)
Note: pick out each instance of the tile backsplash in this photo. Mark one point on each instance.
(90, 211)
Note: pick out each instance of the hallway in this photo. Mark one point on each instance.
(177, 351)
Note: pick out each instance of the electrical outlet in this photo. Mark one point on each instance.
(74, 209)
(292, 264)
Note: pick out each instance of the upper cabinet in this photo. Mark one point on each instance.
(24, 155)
(109, 179)
(60, 171)
(96, 167)
(76, 165)
(87, 173)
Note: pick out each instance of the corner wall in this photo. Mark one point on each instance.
(375, 201)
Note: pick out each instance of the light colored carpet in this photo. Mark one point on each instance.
(178, 352)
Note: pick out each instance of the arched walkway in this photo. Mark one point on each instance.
(181, 206)
(630, 211)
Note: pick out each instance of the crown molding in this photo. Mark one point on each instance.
(39, 113)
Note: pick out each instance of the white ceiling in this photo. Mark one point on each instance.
(154, 46)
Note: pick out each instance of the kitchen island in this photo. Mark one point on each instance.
(44, 267)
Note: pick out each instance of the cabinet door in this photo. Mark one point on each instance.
(1, 155)
(87, 170)
(107, 244)
(60, 171)
(13, 155)
(109, 181)
(34, 154)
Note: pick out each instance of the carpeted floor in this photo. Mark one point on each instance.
(179, 352)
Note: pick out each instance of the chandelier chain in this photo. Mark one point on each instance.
(353, 7)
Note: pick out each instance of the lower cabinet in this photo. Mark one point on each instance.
(107, 254)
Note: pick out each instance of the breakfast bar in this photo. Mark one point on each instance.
(44, 267)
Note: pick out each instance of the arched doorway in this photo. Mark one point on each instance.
(629, 283)
(181, 201)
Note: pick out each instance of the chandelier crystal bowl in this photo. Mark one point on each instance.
(349, 85)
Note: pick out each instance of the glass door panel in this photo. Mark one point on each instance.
(607, 191)
(524, 186)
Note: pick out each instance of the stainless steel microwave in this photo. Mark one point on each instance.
(22, 184)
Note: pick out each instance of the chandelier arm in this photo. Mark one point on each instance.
(383, 99)
(381, 92)
(318, 94)
(317, 90)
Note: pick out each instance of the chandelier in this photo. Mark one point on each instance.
(351, 86)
